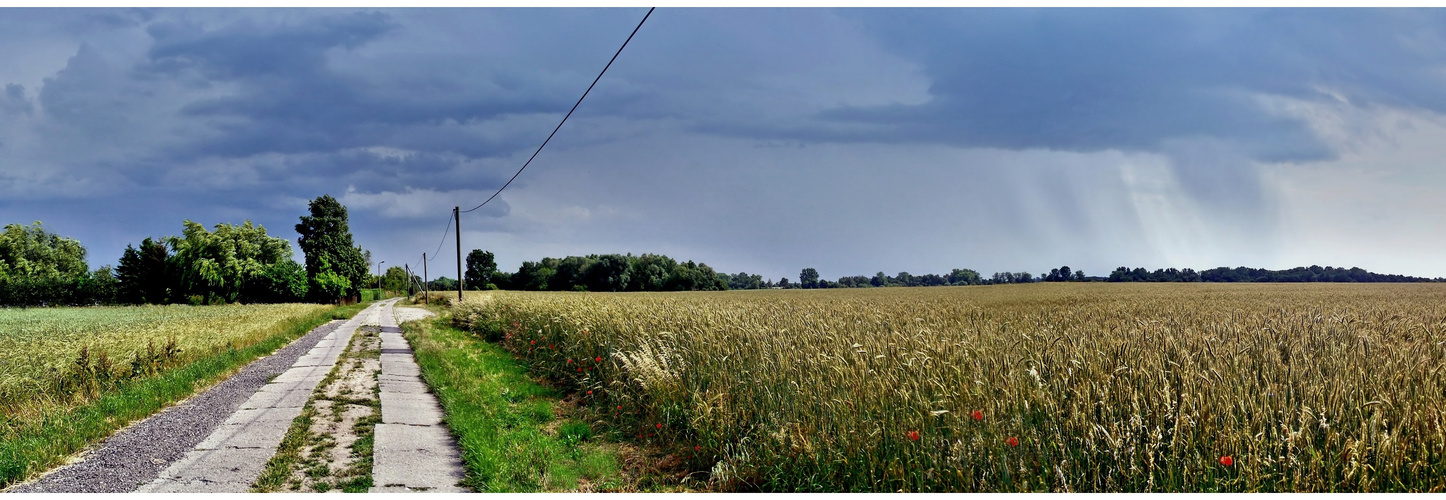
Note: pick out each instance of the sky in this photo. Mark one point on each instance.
(763, 141)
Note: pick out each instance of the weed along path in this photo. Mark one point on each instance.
(233, 456)
(371, 426)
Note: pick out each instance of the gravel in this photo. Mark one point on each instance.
(137, 454)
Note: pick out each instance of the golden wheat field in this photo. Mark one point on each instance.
(40, 348)
(1037, 387)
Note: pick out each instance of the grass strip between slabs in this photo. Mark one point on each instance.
(300, 462)
(33, 449)
(506, 424)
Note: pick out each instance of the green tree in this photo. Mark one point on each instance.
(328, 283)
(219, 266)
(326, 241)
(395, 279)
(144, 274)
(31, 252)
(480, 266)
(808, 278)
(607, 273)
(283, 281)
(965, 277)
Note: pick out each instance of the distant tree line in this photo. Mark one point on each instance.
(1252, 275)
(808, 278)
(594, 273)
(232, 263)
(651, 272)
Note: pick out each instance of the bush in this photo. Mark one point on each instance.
(283, 281)
(83, 290)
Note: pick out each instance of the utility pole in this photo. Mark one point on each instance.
(457, 221)
(425, 297)
(411, 285)
(379, 277)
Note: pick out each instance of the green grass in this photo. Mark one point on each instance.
(278, 469)
(356, 478)
(504, 421)
(37, 444)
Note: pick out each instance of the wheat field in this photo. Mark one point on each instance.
(40, 348)
(1037, 387)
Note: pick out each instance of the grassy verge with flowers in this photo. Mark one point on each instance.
(72, 376)
(1057, 387)
(515, 433)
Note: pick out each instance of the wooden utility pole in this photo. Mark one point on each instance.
(411, 285)
(425, 297)
(457, 221)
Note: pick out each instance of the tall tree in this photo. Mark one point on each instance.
(395, 279)
(228, 265)
(480, 266)
(808, 277)
(31, 252)
(327, 243)
(144, 274)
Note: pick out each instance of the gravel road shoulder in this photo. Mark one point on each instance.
(137, 454)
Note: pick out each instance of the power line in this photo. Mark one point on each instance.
(444, 239)
(569, 113)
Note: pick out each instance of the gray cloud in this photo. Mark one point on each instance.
(757, 140)
(15, 100)
(1136, 79)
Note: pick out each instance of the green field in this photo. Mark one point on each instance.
(39, 347)
(72, 376)
(1039, 387)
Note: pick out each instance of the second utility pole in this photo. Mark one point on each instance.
(457, 220)
(425, 297)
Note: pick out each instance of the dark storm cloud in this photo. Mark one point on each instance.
(292, 98)
(757, 135)
(247, 49)
(1136, 79)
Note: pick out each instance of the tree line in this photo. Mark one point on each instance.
(1252, 275)
(242, 263)
(593, 273)
(651, 272)
(230, 263)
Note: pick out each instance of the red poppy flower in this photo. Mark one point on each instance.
(569, 361)
(1227, 461)
(550, 346)
(913, 435)
(579, 369)
(620, 407)
(1012, 441)
(697, 448)
(598, 359)
(978, 415)
(660, 426)
(534, 342)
